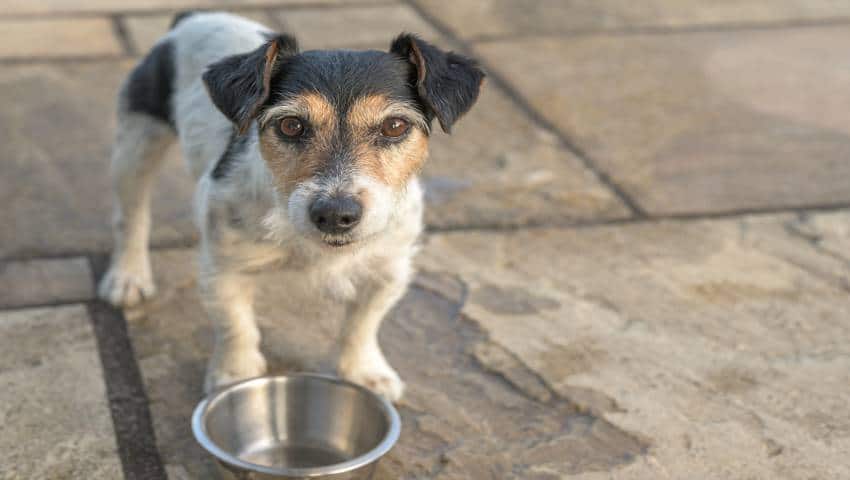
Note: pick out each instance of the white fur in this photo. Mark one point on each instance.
(246, 225)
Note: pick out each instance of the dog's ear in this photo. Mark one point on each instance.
(447, 83)
(239, 85)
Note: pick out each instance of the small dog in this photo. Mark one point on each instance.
(305, 161)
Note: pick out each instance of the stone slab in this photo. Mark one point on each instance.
(475, 19)
(52, 38)
(353, 26)
(145, 30)
(700, 122)
(723, 344)
(45, 281)
(56, 422)
(58, 121)
(499, 168)
(461, 418)
(46, 7)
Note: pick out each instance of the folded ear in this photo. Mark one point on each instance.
(447, 83)
(239, 85)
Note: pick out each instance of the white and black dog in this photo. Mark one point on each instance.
(305, 161)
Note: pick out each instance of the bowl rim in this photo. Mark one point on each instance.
(387, 442)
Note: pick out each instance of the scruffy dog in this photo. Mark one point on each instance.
(305, 161)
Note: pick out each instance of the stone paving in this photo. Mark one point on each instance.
(637, 263)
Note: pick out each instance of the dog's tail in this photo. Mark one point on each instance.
(180, 16)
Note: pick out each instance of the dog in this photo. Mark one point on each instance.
(305, 162)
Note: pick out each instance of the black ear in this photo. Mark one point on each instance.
(239, 85)
(447, 83)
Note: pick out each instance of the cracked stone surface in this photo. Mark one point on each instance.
(466, 400)
(722, 343)
(53, 411)
(508, 17)
(698, 122)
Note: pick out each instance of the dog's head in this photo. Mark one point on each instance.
(343, 132)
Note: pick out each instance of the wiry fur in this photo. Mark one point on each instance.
(229, 84)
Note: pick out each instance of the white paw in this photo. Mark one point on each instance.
(233, 367)
(376, 375)
(125, 286)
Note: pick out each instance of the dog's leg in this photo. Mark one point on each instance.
(361, 359)
(137, 155)
(228, 298)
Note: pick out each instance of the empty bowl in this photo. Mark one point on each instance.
(296, 426)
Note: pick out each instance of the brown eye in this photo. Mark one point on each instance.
(291, 127)
(394, 127)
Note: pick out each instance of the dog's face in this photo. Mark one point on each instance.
(343, 132)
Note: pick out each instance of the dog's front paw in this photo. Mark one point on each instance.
(126, 287)
(376, 375)
(233, 367)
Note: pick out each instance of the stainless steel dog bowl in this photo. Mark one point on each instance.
(297, 426)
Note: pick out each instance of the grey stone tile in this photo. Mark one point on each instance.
(37, 38)
(44, 7)
(702, 122)
(471, 19)
(500, 168)
(56, 422)
(58, 123)
(145, 30)
(722, 343)
(44, 281)
(353, 26)
(460, 419)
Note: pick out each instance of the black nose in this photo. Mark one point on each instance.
(335, 214)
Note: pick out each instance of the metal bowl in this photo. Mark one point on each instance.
(296, 426)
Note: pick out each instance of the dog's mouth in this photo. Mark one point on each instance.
(337, 241)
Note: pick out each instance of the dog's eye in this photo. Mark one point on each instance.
(292, 127)
(394, 127)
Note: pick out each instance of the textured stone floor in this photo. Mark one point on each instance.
(637, 262)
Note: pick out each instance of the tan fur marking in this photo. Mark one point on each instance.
(394, 166)
(367, 112)
(289, 166)
(322, 114)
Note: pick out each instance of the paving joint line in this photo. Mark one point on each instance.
(665, 30)
(65, 60)
(496, 227)
(631, 204)
(26, 256)
(125, 390)
(50, 304)
(119, 27)
(607, 222)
